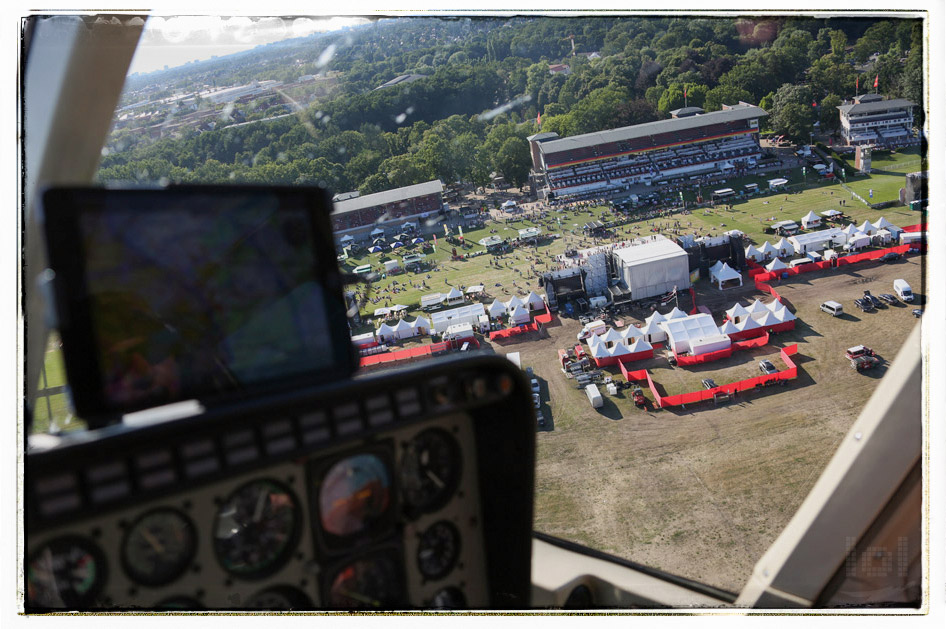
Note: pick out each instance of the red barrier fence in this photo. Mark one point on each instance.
(610, 361)
(919, 227)
(546, 318)
(707, 394)
(508, 332)
(415, 352)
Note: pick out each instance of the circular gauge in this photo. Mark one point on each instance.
(448, 598)
(279, 598)
(430, 471)
(67, 572)
(374, 582)
(256, 528)
(159, 546)
(355, 495)
(181, 603)
(438, 549)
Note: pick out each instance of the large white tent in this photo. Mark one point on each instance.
(849, 230)
(756, 307)
(748, 324)
(599, 350)
(681, 331)
(711, 343)
(728, 327)
(766, 319)
(783, 314)
(653, 266)
(655, 317)
(440, 321)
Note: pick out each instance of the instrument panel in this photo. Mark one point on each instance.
(383, 518)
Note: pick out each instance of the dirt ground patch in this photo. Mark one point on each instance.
(704, 491)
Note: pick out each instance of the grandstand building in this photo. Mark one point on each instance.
(872, 121)
(691, 145)
(362, 214)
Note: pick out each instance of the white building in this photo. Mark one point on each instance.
(816, 241)
(654, 267)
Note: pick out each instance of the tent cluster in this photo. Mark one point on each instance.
(856, 237)
(403, 330)
(624, 346)
(517, 309)
(757, 318)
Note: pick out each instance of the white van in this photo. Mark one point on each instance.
(903, 290)
(595, 327)
(799, 262)
(833, 308)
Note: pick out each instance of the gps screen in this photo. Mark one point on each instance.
(204, 294)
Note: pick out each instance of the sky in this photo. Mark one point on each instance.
(175, 40)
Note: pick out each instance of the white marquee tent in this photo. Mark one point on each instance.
(768, 250)
(737, 313)
(681, 331)
(775, 265)
(810, 220)
(726, 274)
(519, 315)
(785, 248)
(752, 252)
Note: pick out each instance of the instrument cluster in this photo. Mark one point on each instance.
(385, 522)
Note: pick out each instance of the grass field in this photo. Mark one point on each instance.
(748, 215)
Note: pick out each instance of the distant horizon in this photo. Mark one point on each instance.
(172, 42)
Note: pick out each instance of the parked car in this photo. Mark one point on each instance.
(535, 386)
(864, 362)
(709, 383)
(859, 350)
(917, 313)
(873, 300)
(536, 400)
(892, 256)
(540, 418)
(767, 367)
(890, 299)
(864, 304)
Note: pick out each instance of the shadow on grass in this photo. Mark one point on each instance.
(609, 409)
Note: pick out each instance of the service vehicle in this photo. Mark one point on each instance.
(892, 256)
(887, 297)
(864, 304)
(903, 290)
(859, 350)
(594, 327)
(864, 362)
(766, 367)
(833, 308)
(709, 383)
(639, 400)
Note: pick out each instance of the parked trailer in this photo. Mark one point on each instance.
(594, 396)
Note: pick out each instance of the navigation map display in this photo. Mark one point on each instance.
(195, 292)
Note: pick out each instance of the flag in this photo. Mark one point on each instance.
(538, 119)
(814, 104)
(876, 80)
(857, 81)
(684, 92)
